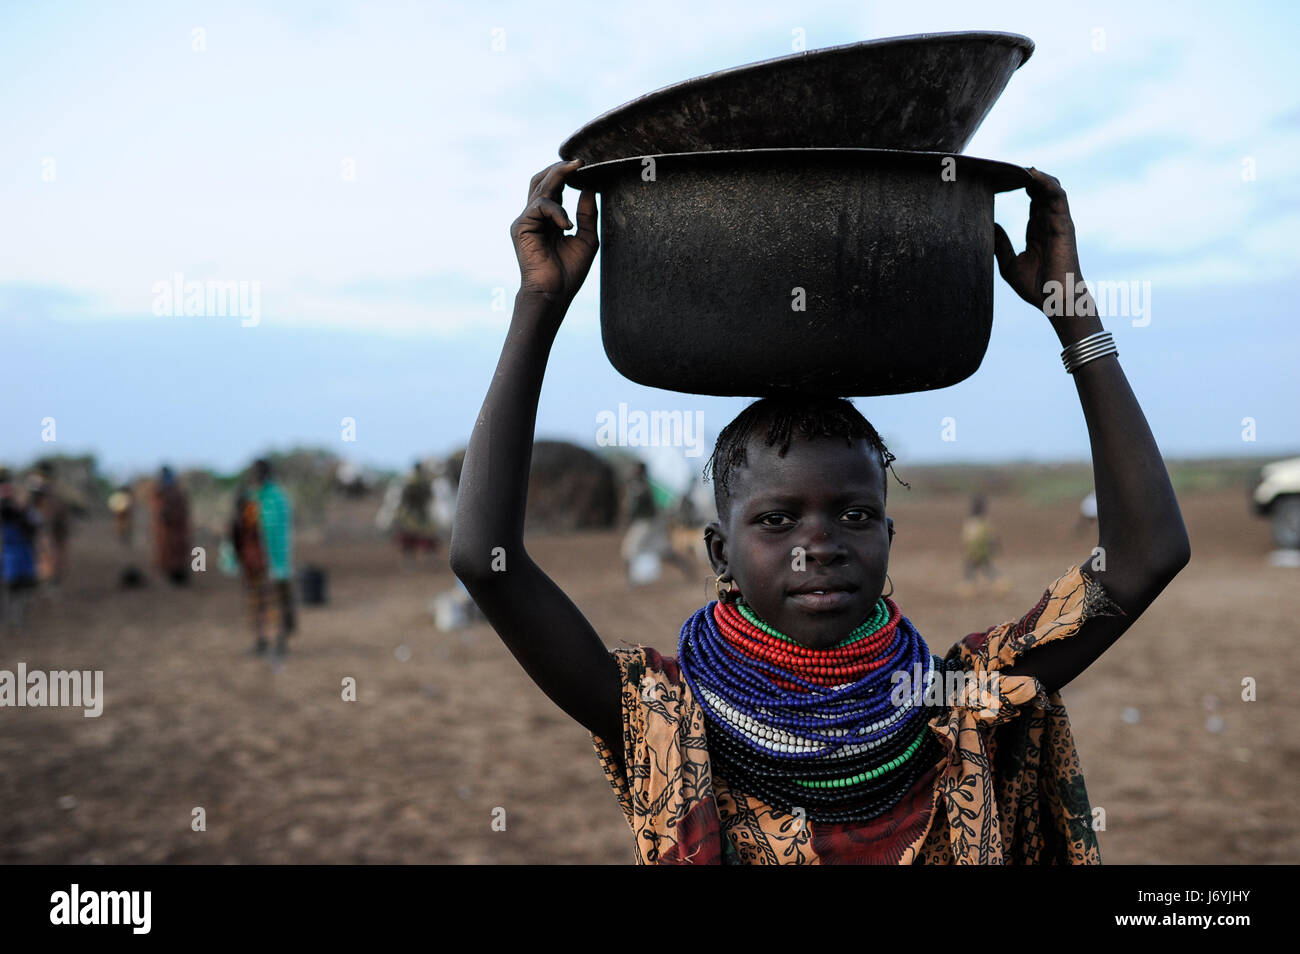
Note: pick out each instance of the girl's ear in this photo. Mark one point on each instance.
(713, 543)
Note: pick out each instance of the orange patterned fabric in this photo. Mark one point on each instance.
(1008, 790)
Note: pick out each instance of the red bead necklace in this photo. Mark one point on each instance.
(824, 667)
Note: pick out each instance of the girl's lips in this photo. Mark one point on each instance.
(830, 601)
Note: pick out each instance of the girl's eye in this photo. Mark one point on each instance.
(853, 516)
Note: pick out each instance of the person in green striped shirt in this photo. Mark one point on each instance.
(276, 515)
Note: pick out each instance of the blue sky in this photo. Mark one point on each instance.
(130, 155)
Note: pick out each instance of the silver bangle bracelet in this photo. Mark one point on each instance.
(1087, 349)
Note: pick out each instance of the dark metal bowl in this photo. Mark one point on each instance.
(700, 266)
(928, 92)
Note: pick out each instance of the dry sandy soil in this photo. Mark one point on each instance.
(448, 729)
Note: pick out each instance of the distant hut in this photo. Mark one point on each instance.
(569, 488)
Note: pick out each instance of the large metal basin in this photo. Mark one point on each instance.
(928, 92)
(701, 268)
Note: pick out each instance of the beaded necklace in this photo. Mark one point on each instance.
(816, 729)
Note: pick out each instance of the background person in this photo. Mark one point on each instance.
(979, 543)
(413, 522)
(56, 517)
(276, 516)
(172, 528)
(121, 503)
(19, 523)
(250, 555)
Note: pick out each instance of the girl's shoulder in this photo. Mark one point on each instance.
(639, 663)
(1062, 609)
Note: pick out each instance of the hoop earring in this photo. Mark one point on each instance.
(891, 588)
(727, 595)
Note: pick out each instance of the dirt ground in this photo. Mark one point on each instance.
(446, 730)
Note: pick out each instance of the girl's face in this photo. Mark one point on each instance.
(814, 519)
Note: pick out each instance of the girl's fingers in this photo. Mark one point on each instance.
(587, 216)
(1047, 193)
(532, 186)
(1038, 213)
(1003, 251)
(552, 210)
(534, 219)
(536, 180)
(551, 184)
(1042, 182)
(1048, 219)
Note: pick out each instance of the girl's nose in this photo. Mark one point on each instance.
(823, 543)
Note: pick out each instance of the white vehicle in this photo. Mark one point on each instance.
(1277, 496)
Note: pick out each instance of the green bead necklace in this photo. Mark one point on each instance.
(878, 618)
(867, 776)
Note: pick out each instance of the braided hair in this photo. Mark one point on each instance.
(778, 419)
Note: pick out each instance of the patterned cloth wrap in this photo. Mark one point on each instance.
(1007, 791)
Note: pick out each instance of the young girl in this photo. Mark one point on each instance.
(804, 719)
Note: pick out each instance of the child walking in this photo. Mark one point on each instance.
(275, 518)
(979, 543)
(804, 719)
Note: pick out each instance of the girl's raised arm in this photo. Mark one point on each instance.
(538, 623)
(1140, 527)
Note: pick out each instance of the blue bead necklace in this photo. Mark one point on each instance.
(820, 730)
